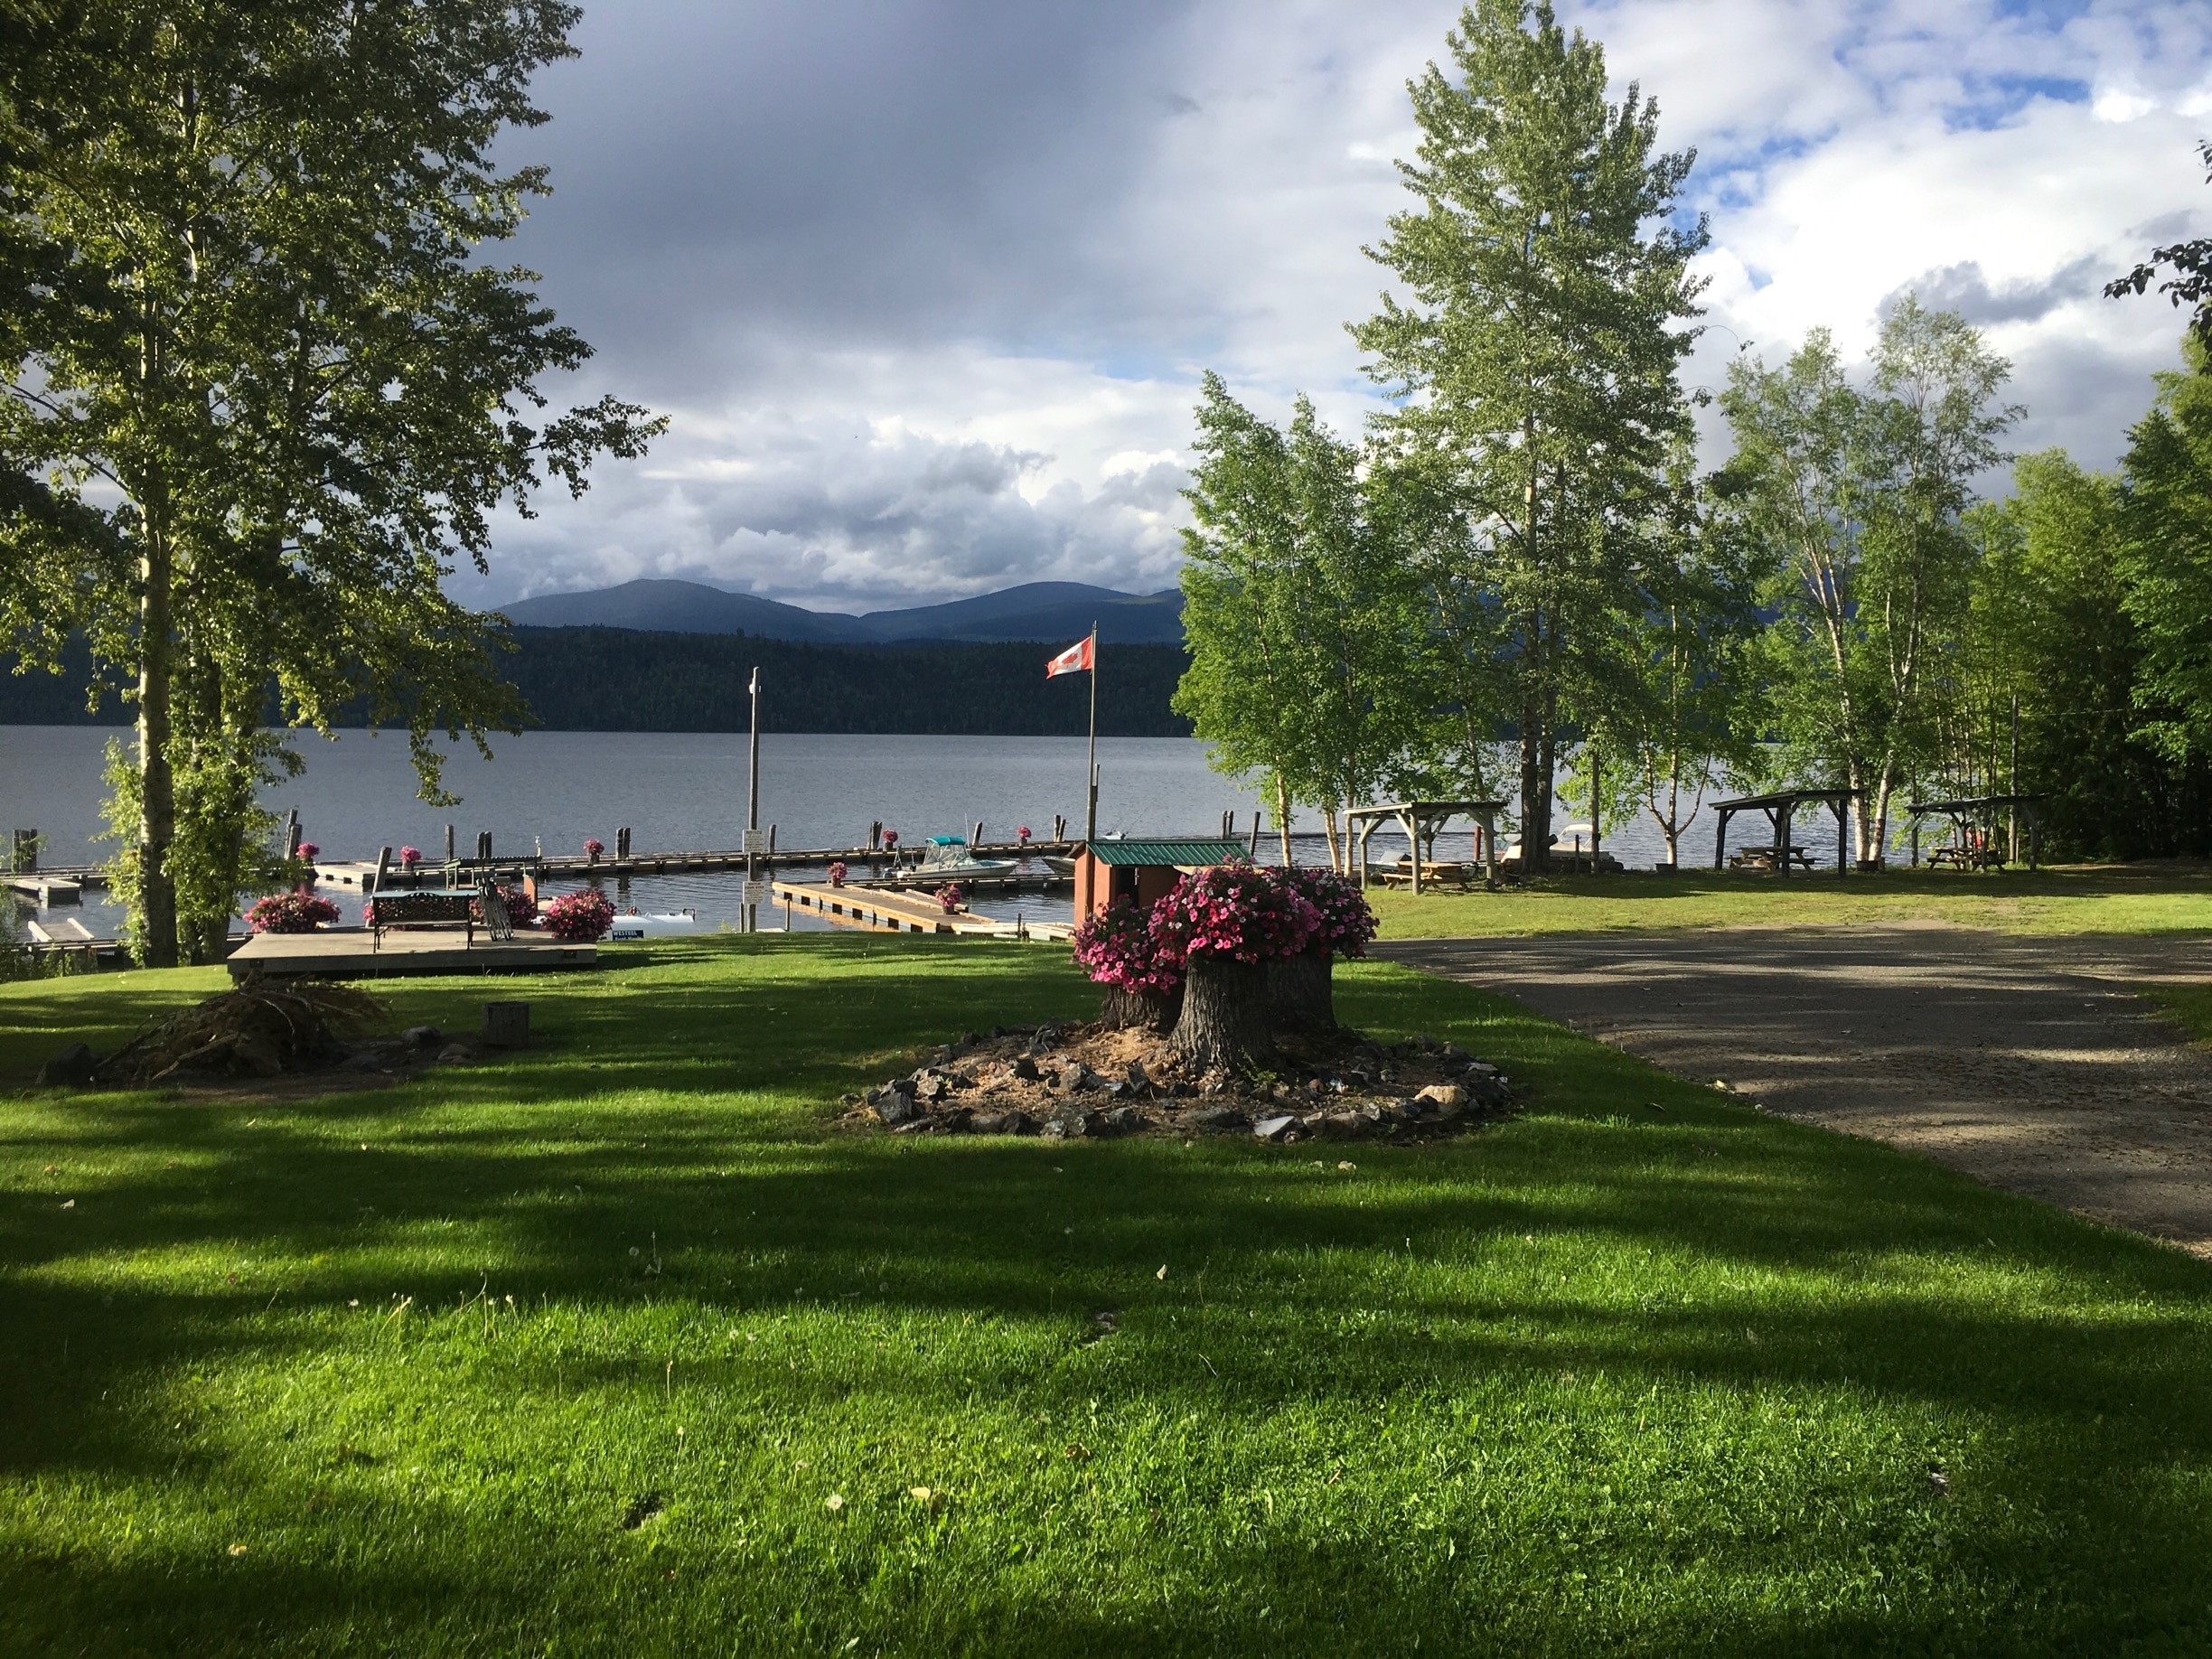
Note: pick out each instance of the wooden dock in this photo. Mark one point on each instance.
(47, 890)
(345, 953)
(880, 865)
(883, 911)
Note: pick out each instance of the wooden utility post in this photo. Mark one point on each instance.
(751, 837)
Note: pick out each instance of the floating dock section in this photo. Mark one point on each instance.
(884, 911)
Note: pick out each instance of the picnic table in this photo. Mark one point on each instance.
(1967, 858)
(1430, 872)
(1763, 858)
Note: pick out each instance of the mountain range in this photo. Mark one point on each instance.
(1044, 612)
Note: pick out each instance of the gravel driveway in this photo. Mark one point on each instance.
(2026, 1062)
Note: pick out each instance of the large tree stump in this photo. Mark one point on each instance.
(1227, 1014)
(1140, 1010)
(1301, 992)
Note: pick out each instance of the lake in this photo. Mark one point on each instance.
(553, 790)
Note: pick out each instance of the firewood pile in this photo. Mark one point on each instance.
(1096, 1082)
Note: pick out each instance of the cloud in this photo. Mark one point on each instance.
(1966, 289)
(927, 287)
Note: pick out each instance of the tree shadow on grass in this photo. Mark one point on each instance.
(1714, 1261)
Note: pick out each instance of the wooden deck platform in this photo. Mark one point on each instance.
(879, 910)
(344, 953)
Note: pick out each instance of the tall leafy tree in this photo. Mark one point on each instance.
(1856, 499)
(2185, 269)
(2054, 660)
(1537, 343)
(1297, 615)
(1691, 721)
(261, 348)
(2166, 559)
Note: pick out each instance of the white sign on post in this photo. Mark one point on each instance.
(756, 892)
(755, 841)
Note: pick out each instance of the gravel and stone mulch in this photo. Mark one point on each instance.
(1090, 1082)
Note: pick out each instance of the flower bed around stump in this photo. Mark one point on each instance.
(1095, 1082)
(1217, 1015)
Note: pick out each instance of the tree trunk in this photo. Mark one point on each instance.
(1131, 1010)
(1532, 848)
(1301, 992)
(1227, 1015)
(157, 946)
(1282, 818)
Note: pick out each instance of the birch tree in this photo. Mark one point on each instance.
(1297, 615)
(1856, 500)
(262, 352)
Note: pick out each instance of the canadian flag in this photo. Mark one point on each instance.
(1074, 660)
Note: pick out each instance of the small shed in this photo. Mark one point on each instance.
(1141, 871)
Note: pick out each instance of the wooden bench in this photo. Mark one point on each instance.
(392, 911)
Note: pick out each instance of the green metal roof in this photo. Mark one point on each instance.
(1194, 851)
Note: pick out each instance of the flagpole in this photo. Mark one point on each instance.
(1090, 815)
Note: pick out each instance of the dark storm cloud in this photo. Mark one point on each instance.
(736, 182)
(926, 286)
(1965, 289)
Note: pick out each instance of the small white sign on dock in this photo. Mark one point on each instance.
(755, 841)
(756, 892)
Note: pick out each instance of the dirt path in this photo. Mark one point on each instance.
(2027, 1063)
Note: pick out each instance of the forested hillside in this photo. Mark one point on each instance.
(617, 679)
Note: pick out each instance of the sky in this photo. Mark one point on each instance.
(927, 287)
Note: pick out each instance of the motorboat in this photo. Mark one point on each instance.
(1571, 853)
(637, 925)
(946, 858)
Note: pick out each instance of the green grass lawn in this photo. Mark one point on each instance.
(1640, 1371)
(2089, 899)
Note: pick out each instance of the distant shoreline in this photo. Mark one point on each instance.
(622, 679)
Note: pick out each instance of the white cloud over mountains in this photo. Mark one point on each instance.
(927, 287)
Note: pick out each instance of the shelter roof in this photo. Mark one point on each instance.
(1784, 797)
(1176, 850)
(1425, 808)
